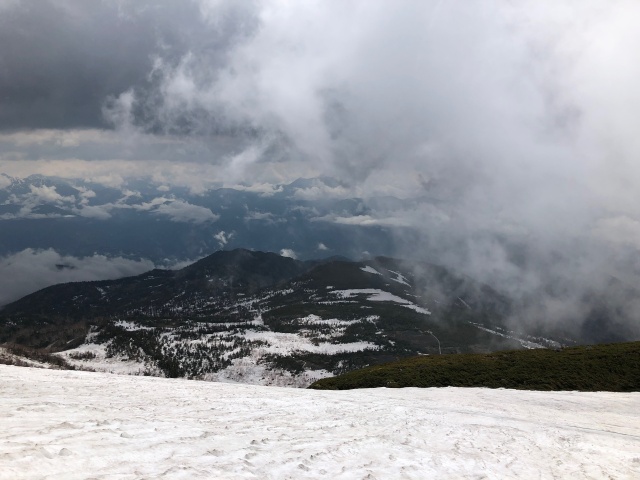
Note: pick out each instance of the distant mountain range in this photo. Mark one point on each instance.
(165, 224)
(258, 317)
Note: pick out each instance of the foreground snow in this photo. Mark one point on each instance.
(72, 425)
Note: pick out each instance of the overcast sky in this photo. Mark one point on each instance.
(515, 119)
(453, 92)
(526, 110)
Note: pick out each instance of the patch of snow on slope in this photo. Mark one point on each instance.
(130, 326)
(465, 303)
(418, 309)
(250, 370)
(250, 302)
(286, 343)
(369, 269)
(258, 320)
(400, 278)
(6, 357)
(316, 320)
(66, 424)
(100, 363)
(377, 295)
(524, 343)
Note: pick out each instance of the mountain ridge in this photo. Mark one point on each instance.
(259, 317)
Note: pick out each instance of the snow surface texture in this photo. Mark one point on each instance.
(76, 425)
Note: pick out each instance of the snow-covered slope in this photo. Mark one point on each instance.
(73, 425)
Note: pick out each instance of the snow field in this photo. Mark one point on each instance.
(130, 326)
(377, 295)
(77, 425)
(285, 343)
(101, 363)
(317, 320)
(369, 269)
(400, 278)
(248, 369)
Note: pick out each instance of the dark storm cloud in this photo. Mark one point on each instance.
(60, 62)
(63, 61)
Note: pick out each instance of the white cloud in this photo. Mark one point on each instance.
(147, 206)
(223, 238)
(30, 270)
(46, 194)
(100, 212)
(180, 264)
(366, 221)
(320, 191)
(260, 216)
(181, 211)
(238, 164)
(322, 247)
(177, 210)
(620, 230)
(503, 106)
(118, 110)
(266, 189)
(85, 194)
(287, 252)
(38, 195)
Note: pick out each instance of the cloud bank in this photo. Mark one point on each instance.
(31, 270)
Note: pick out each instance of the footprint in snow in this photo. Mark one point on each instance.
(43, 451)
(68, 425)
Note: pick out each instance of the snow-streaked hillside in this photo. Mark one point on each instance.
(283, 337)
(261, 318)
(72, 425)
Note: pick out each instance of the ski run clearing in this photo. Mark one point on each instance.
(76, 425)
